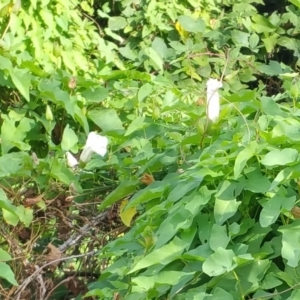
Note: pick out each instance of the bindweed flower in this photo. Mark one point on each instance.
(94, 143)
(213, 99)
(71, 160)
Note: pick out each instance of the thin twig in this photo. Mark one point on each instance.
(276, 294)
(59, 284)
(25, 283)
(73, 240)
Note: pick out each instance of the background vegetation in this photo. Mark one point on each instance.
(179, 208)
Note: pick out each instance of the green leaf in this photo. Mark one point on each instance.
(7, 274)
(137, 124)
(13, 135)
(117, 23)
(96, 95)
(191, 25)
(184, 186)
(162, 278)
(25, 215)
(164, 255)
(154, 58)
(243, 157)
(144, 91)
(4, 256)
(69, 140)
(272, 209)
(240, 38)
(106, 119)
(15, 164)
(280, 157)
(273, 69)
(261, 24)
(225, 209)
(220, 294)
(295, 2)
(219, 237)
(22, 80)
(291, 243)
(152, 191)
(6, 204)
(220, 262)
(226, 205)
(257, 182)
(124, 189)
(253, 40)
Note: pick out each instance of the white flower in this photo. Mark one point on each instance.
(213, 99)
(94, 143)
(71, 160)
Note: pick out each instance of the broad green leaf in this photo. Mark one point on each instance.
(63, 174)
(220, 262)
(272, 69)
(191, 25)
(25, 215)
(6, 204)
(225, 209)
(178, 220)
(22, 80)
(272, 209)
(219, 237)
(123, 190)
(295, 2)
(144, 91)
(280, 157)
(257, 182)
(7, 274)
(106, 119)
(253, 40)
(96, 95)
(15, 164)
(10, 218)
(4, 256)
(127, 214)
(69, 140)
(261, 24)
(117, 23)
(160, 47)
(154, 58)
(137, 124)
(270, 42)
(164, 255)
(183, 187)
(291, 243)
(13, 135)
(220, 294)
(226, 204)
(162, 278)
(243, 157)
(240, 38)
(285, 175)
(152, 191)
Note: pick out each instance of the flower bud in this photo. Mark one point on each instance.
(56, 49)
(49, 114)
(213, 99)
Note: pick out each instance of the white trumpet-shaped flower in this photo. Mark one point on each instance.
(213, 99)
(71, 160)
(95, 143)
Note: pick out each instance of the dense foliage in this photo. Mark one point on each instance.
(179, 207)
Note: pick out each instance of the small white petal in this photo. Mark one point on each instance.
(86, 154)
(213, 99)
(95, 143)
(71, 160)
